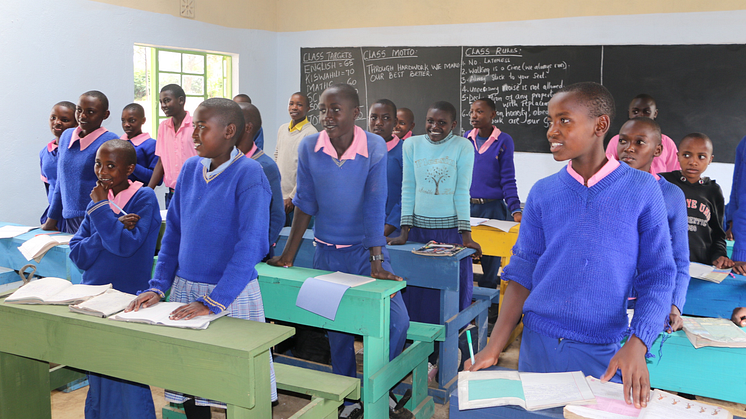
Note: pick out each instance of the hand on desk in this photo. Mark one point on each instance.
(50, 225)
(738, 267)
(674, 319)
(277, 261)
(190, 311)
(517, 217)
(739, 316)
(129, 220)
(471, 244)
(635, 377)
(723, 262)
(144, 300)
(402, 239)
(485, 358)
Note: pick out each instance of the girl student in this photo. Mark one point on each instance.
(61, 118)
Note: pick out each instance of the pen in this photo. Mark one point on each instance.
(118, 207)
(471, 349)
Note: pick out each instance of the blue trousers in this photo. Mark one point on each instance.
(541, 353)
(356, 260)
(113, 398)
(496, 210)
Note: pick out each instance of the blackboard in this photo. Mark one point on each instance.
(699, 88)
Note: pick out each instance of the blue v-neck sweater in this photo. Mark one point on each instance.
(580, 250)
(679, 228)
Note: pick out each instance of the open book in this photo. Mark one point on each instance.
(52, 290)
(158, 314)
(36, 247)
(104, 305)
(707, 272)
(611, 405)
(501, 225)
(531, 391)
(433, 248)
(321, 295)
(9, 231)
(705, 331)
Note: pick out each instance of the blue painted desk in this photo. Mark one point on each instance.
(439, 273)
(708, 299)
(55, 263)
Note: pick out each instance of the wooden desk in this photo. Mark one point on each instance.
(55, 263)
(708, 299)
(228, 362)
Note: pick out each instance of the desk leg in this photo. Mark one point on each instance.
(373, 360)
(262, 393)
(24, 388)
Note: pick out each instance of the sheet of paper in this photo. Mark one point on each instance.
(555, 389)
(7, 232)
(110, 302)
(707, 272)
(489, 388)
(41, 288)
(346, 279)
(591, 413)
(321, 297)
(475, 221)
(77, 292)
(666, 406)
(163, 214)
(499, 224)
(159, 313)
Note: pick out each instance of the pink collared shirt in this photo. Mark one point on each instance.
(251, 152)
(52, 145)
(174, 147)
(391, 144)
(88, 139)
(609, 167)
(122, 198)
(407, 135)
(359, 145)
(137, 140)
(493, 137)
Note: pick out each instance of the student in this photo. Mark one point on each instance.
(286, 153)
(435, 202)
(61, 118)
(493, 181)
(342, 182)
(258, 135)
(644, 105)
(735, 213)
(253, 120)
(639, 144)
(580, 251)
(404, 123)
(704, 202)
(113, 248)
(174, 145)
(77, 154)
(133, 118)
(739, 316)
(220, 210)
(381, 121)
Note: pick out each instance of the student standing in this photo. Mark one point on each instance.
(583, 245)
(381, 121)
(61, 118)
(404, 123)
(133, 118)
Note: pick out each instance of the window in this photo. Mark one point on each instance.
(201, 74)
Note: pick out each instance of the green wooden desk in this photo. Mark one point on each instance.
(228, 362)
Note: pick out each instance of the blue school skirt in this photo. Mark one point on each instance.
(113, 398)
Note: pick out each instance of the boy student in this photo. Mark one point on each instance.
(585, 241)
(286, 153)
(133, 117)
(493, 180)
(220, 209)
(639, 144)
(61, 118)
(644, 105)
(246, 144)
(342, 182)
(114, 248)
(704, 202)
(404, 123)
(174, 145)
(258, 138)
(381, 121)
(77, 154)
(736, 213)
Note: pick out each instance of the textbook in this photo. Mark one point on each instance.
(322, 294)
(707, 272)
(36, 247)
(7, 232)
(104, 305)
(158, 314)
(56, 291)
(705, 331)
(610, 404)
(433, 248)
(531, 391)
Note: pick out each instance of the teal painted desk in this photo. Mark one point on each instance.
(364, 310)
(228, 362)
(55, 263)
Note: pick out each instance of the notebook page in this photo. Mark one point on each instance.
(555, 389)
(40, 289)
(346, 279)
(110, 302)
(7, 232)
(77, 292)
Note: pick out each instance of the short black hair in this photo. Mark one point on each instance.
(697, 136)
(123, 148)
(100, 96)
(650, 123)
(346, 91)
(251, 114)
(407, 111)
(490, 103)
(445, 107)
(644, 96)
(595, 97)
(135, 107)
(386, 102)
(65, 104)
(243, 96)
(228, 112)
(175, 90)
(304, 96)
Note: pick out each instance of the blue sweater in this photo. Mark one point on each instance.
(436, 182)
(736, 213)
(259, 138)
(48, 163)
(146, 161)
(348, 197)
(216, 229)
(494, 172)
(277, 205)
(679, 229)
(580, 250)
(394, 172)
(75, 176)
(109, 253)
